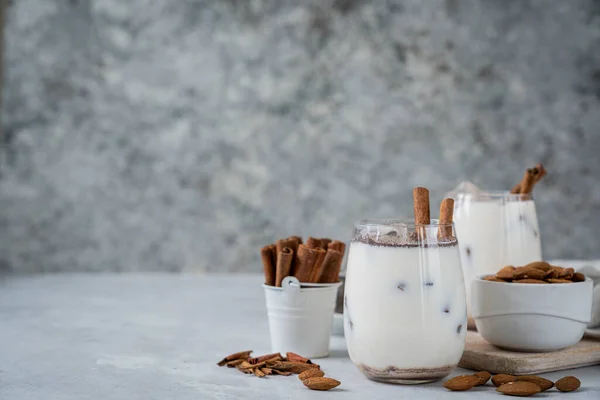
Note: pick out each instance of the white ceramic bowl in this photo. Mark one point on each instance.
(531, 317)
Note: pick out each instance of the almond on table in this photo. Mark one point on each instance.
(568, 384)
(321, 383)
(462, 382)
(501, 379)
(484, 376)
(311, 373)
(543, 383)
(519, 388)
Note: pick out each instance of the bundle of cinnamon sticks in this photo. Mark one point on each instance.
(530, 178)
(316, 261)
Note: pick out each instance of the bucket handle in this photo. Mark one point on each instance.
(291, 290)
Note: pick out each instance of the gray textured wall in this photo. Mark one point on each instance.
(184, 135)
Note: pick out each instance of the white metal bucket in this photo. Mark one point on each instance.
(300, 316)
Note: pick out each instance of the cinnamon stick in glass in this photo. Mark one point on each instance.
(445, 223)
(539, 173)
(527, 181)
(421, 209)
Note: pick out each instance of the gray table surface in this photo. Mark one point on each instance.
(157, 336)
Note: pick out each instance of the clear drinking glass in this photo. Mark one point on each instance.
(495, 229)
(404, 303)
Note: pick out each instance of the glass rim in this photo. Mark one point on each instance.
(497, 194)
(402, 222)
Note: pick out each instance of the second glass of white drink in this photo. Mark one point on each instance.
(496, 228)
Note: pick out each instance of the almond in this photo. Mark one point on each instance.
(484, 376)
(557, 269)
(528, 272)
(506, 273)
(566, 273)
(543, 383)
(320, 383)
(552, 274)
(293, 367)
(578, 277)
(558, 280)
(501, 379)
(492, 278)
(541, 265)
(568, 384)
(519, 388)
(311, 373)
(461, 382)
(527, 280)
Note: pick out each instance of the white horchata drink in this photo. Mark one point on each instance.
(495, 229)
(404, 304)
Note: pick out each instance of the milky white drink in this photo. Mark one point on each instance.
(495, 229)
(404, 305)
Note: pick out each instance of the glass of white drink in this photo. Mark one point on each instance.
(495, 229)
(404, 303)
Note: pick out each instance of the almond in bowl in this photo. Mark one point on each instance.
(536, 307)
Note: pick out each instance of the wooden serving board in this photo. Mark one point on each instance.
(481, 356)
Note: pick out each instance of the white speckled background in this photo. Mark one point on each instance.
(183, 135)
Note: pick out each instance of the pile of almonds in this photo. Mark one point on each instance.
(536, 272)
(274, 364)
(526, 385)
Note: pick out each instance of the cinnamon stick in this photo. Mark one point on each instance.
(527, 181)
(298, 238)
(290, 242)
(421, 209)
(318, 266)
(293, 357)
(445, 223)
(313, 243)
(324, 242)
(265, 358)
(284, 265)
(305, 261)
(330, 271)
(337, 245)
(539, 173)
(235, 356)
(269, 260)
